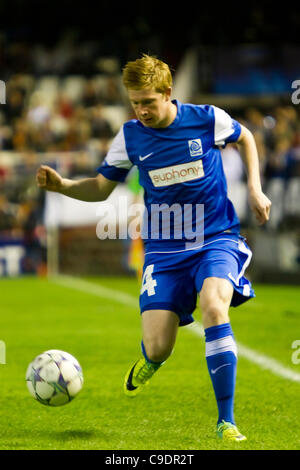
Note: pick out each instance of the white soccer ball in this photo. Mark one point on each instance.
(54, 378)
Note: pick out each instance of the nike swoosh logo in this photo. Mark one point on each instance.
(129, 384)
(213, 371)
(146, 156)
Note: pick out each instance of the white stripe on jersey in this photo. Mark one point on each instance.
(117, 155)
(223, 126)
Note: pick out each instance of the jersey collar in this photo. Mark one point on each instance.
(178, 115)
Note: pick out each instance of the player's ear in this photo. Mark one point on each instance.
(168, 93)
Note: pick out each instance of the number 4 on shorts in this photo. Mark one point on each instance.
(148, 283)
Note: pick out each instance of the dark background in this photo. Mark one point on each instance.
(127, 28)
(207, 22)
(247, 55)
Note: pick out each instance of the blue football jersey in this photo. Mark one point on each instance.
(180, 168)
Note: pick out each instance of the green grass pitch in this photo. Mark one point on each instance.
(177, 411)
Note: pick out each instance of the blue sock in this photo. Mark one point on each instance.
(221, 358)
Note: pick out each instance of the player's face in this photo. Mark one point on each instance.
(151, 108)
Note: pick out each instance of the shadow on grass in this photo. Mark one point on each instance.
(64, 436)
(74, 434)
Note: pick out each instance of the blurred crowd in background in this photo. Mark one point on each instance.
(41, 123)
(65, 101)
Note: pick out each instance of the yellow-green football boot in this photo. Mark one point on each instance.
(229, 432)
(138, 376)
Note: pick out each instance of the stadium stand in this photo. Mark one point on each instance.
(68, 119)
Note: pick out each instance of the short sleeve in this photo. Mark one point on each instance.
(116, 164)
(226, 129)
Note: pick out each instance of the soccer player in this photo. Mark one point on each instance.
(191, 231)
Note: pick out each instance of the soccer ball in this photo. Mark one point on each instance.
(54, 378)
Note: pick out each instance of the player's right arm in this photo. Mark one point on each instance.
(85, 189)
(113, 169)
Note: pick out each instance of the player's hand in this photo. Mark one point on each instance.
(260, 205)
(48, 179)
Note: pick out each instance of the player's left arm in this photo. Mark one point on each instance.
(259, 202)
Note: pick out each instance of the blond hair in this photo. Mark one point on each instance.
(147, 73)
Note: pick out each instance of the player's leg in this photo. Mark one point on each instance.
(159, 329)
(221, 351)
(215, 298)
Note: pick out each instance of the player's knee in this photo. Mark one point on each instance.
(157, 351)
(215, 300)
(215, 314)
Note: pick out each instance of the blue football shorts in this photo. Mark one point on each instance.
(172, 281)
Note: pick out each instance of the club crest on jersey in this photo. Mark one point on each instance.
(195, 146)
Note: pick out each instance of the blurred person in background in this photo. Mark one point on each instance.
(100, 126)
(63, 105)
(254, 121)
(90, 95)
(110, 95)
(81, 165)
(6, 137)
(21, 140)
(135, 256)
(232, 164)
(7, 214)
(26, 222)
(293, 157)
(276, 166)
(15, 105)
(39, 109)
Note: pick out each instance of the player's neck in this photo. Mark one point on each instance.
(170, 116)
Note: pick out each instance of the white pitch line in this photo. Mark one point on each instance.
(95, 289)
(263, 361)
